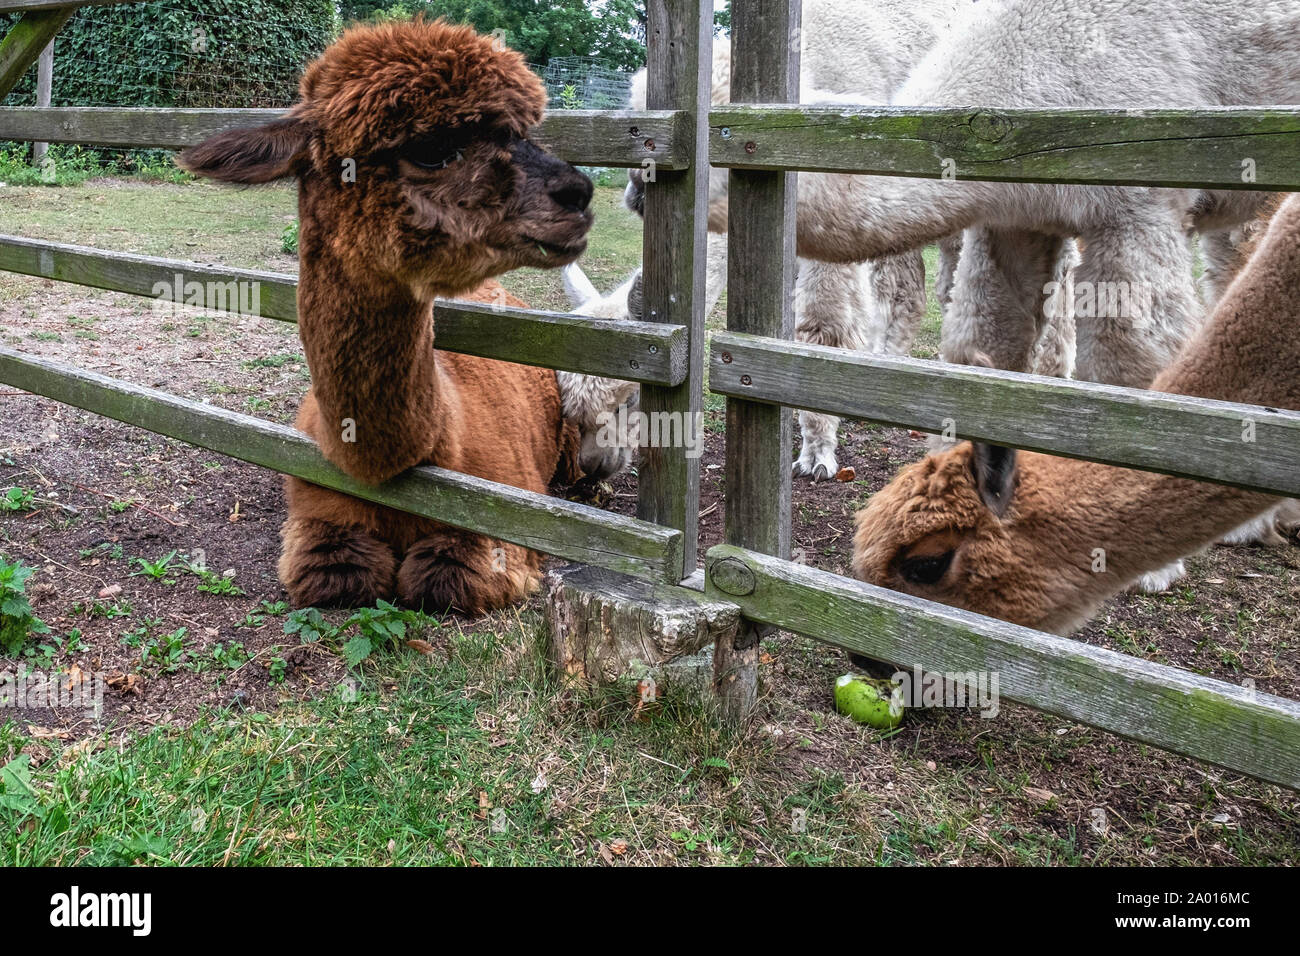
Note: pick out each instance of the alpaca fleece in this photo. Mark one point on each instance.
(1033, 559)
(416, 179)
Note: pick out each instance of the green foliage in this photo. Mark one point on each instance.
(165, 652)
(371, 627)
(17, 621)
(614, 30)
(18, 798)
(184, 53)
(310, 625)
(212, 583)
(376, 626)
(16, 499)
(173, 53)
(230, 656)
(157, 570)
(289, 239)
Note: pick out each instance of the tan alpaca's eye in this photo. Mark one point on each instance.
(926, 570)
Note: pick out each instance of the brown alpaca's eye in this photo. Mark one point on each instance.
(431, 155)
(926, 570)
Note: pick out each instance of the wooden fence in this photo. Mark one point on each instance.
(761, 138)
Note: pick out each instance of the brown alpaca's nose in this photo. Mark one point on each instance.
(567, 188)
(573, 192)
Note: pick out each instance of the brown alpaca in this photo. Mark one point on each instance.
(1014, 536)
(416, 179)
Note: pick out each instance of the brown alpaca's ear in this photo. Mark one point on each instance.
(253, 154)
(995, 475)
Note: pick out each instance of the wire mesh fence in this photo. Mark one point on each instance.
(584, 83)
(188, 55)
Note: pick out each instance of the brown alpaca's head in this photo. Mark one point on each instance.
(410, 144)
(951, 528)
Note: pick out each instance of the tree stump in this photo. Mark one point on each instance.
(607, 627)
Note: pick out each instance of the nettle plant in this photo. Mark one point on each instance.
(17, 622)
(374, 627)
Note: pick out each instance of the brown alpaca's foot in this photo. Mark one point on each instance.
(329, 565)
(465, 572)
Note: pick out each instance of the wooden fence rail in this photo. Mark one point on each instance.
(1213, 149)
(1210, 149)
(639, 351)
(585, 137)
(546, 524)
(1244, 445)
(1232, 726)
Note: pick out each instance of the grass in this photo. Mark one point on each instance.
(453, 760)
(475, 755)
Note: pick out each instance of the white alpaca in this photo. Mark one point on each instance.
(1096, 55)
(866, 48)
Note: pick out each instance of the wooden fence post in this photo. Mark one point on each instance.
(22, 45)
(44, 90)
(760, 274)
(679, 53)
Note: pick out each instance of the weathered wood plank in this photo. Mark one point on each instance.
(679, 38)
(22, 45)
(586, 137)
(546, 524)
(1234, 727)
(8, 6)
(44, 92)
(1212, 148)
(760, 278)
(639, 351)
(1243, 445)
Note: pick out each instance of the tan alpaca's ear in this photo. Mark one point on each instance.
(252, 154)
(995, 475)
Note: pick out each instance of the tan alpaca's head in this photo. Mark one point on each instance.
(410, 144)
(950, 528)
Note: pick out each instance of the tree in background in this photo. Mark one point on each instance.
(611, 30)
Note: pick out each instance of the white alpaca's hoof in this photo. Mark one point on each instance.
(1288, 518)
(819, 465)
(1153, 582)
(1257, 531)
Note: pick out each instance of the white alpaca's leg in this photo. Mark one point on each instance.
(1054, 351)
(896, 285)
(949, 256)
(1153, 582)
(1135, 302)
(1003, 283)
(829, 302)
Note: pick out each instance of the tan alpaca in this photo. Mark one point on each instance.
(416, 179)
(1016, 536)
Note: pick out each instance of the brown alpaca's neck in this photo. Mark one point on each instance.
(1141, 521)
(369, 344)
(1099, 528)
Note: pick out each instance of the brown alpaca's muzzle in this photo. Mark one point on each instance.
(554, 213)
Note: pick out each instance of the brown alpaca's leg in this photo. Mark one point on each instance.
(467, 572)
(330, 565)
